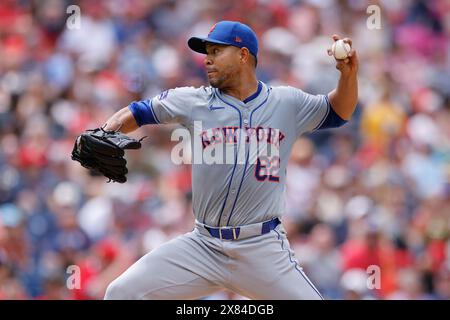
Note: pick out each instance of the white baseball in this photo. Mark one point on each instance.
(340, 49)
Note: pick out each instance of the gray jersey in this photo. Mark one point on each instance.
(247, 192)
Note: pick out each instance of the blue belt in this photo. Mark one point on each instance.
(232, 233)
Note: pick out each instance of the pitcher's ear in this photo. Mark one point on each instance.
(245, 55)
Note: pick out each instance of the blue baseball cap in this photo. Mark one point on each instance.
(229, 33)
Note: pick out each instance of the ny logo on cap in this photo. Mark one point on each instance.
(238, 39)
(212, 29)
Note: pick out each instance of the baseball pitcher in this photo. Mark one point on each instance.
(238, 242)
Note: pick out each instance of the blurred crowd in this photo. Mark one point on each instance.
(367, 205)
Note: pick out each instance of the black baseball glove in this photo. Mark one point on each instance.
(102, 152)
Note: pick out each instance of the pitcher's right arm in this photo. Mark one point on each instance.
(171, 106)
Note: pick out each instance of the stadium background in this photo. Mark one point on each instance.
(374, 192)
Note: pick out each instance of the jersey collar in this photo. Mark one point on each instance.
(251, 101)
(253, 96)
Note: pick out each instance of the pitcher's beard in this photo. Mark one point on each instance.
(216, 82)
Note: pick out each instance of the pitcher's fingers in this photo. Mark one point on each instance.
(351, 53)
(335, 37)
(354, 56)
(348, 40)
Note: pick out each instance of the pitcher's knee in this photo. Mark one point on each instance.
(117, 290)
